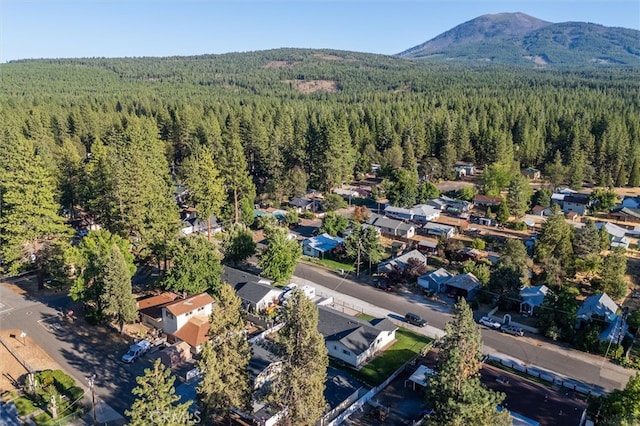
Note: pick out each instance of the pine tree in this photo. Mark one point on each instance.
(554, 241)
(91, 260)
(519, 196)
(237, 243)
(278, 260)
(634, 176)
(456, 394)
(29, 219)
(117, 296)
(614, 268)
(299, 387)
(225, 359)
(156, 400)
(206, 191)
(196, 266)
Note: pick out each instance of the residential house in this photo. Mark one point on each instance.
(532, 298)
(435, 280)
(539, 210)
(486, 201)
(191, 312)
(463, 169)
(150, 308)
(256, 297)
(451, 205)
(469, 253)
(399, 213)
(601, 307)
(353, 340)
(302, 204)
(420, 213)
(423, 213)
(191, 224)
(617, 234)
(571, 201)
(320, 245)
(402, 261)
(427, 246)
(392, 227)
(175, 355)
(463, 285)
(626, 214)
(531, 173)
(438, 230)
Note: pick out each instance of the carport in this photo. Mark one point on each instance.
(420, 377)
(464, 285)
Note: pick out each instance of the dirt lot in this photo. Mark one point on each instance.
(28, 351)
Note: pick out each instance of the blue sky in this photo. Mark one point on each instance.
(117, 28)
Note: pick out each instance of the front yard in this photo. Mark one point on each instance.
(407, 346)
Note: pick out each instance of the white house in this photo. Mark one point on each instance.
(352, 340)
(438, 229)
(602, 307)
(423, 213)
(187, 319)
(617, 234)
(256, 297)
(392, 227)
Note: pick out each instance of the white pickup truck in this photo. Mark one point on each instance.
(135, 351)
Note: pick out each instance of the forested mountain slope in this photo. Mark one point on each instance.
(519, 39)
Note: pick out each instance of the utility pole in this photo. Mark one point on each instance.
(91, 381)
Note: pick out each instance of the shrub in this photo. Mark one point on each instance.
(24, 405)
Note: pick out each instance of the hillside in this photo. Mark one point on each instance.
(519, 39)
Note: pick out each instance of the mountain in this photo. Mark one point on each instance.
(519, 39)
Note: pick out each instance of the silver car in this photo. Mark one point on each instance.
(513, 330)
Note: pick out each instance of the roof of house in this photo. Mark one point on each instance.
(627, 211)
(534, 295)
(152, 306)
(254, 292)
(438, 227)
(338, 387)
(355, 334)
(260, 359)
(428, 243)
(466, 281)
(598, 304)
(399, 210)
(194, 332)
(438, 276)
(577, 199)
(571, 215)
(388, 223)
(612, 229)
(486, 199)
(182, 306)
(323, 242)
(402, 260)
(531, 170)
(156, 300)
(538, 208)
(300, 202)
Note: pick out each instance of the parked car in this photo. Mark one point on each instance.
(513, 330)
(502, 379)
(415, 319)
(490, 323)
(136, 351)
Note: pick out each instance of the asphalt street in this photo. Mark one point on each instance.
(83, 350)
(593, 370)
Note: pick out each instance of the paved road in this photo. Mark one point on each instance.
(80, 349)
(590, 369)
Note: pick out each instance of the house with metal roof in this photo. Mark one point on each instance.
(602, 308)
(617, 234)
(353, 340)
(320, 245)
(463, 285)
(438, 229)
(532, 297)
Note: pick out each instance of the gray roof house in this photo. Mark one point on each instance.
(532, 297)
(393, 227)
(257, 297)
(438, 229)
(464, 285)
(617, 234)
(401, 261)
(301, 204)
(352, 340)
(434, 280)
(602, 307)
(319, 245)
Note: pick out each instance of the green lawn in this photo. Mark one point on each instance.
(407, 346)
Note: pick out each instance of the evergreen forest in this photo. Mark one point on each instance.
(113, 137)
